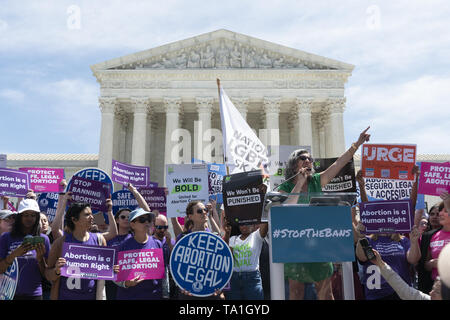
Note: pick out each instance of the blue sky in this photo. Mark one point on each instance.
(49, 98)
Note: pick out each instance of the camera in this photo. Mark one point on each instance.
(370, 255)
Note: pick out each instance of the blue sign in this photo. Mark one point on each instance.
(123, 199)
(312, 234)
(95, 174)
(48, 202)
(201, 263)
(8, 281)
(216, 172)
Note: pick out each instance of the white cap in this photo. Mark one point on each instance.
(28, 205)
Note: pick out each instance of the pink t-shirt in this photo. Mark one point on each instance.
(437, 243)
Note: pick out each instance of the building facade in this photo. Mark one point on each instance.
(160, 106)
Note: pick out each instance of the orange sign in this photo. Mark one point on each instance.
(388, 161)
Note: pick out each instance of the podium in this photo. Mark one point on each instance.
(283, 208)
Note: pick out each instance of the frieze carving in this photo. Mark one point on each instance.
(223, 54)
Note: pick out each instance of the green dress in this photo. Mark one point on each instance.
(313, 271)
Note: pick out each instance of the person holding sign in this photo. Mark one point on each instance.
(141, 223)
(30, 247)
(439, 238)
(300, 178)
(79, 221)
(246, 282)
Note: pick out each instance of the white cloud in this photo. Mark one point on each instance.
(12, 96)
(412, 112)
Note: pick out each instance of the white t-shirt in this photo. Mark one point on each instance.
(246, 252)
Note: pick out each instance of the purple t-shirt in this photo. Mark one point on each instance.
(79, 289)
(117, 241)
(147, 289)
(30, 279)
(394, 254)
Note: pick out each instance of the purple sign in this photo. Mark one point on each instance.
(45, 179)
(434, 178)
(88, 262)
(146, 263)
(126, 173)
(387, 216)
(93, 192)
(155, 198)
(14, 183)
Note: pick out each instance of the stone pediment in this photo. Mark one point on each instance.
(222, 49)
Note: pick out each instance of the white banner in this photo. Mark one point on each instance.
(242, 149)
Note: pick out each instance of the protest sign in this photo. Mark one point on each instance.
(45, 179)
(95, 174)
(145, 263)
(48, 202)
(123, 199)
(8, 281)
(216, 172)
(388, 161)
(3, 159)
(434, 178)
(278, 158)
(344, 181)
(93, 192)
(185, 183)
(155, 198)
(311, 234)
(11, 206)
(243, 195)
(14, 183)
(125, 173)
(387, 216)
(201, 263)
(88, 262)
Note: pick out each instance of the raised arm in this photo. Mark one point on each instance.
(413, 255)
(413, 197)
(58, 222)
(177, 229)
(139, 198)
(332, 171)
(362, 186)
(112, 228)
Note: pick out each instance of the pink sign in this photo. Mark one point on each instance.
(434, 178)
(146, 263)
(45, 179)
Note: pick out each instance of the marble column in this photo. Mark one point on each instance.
(321, 121)
(241, 103)
(303, 108)
(140, 109)
(336, 123)
(107, 106)
(202, 132)
(172, 107)
(272, 115)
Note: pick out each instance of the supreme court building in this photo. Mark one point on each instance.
(161, 105)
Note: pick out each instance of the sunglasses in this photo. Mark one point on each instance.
(123, 217)
(303, 158)
(200, 211)
(144, 219)
(162, 227)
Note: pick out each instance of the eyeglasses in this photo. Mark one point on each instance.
(144, 219)
(303, 158)
(162, 227)
(123, 217)
(200, 211)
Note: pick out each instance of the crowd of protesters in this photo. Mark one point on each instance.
(407, 264)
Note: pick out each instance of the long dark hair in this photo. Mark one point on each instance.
(17, 227)
(74, 212)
